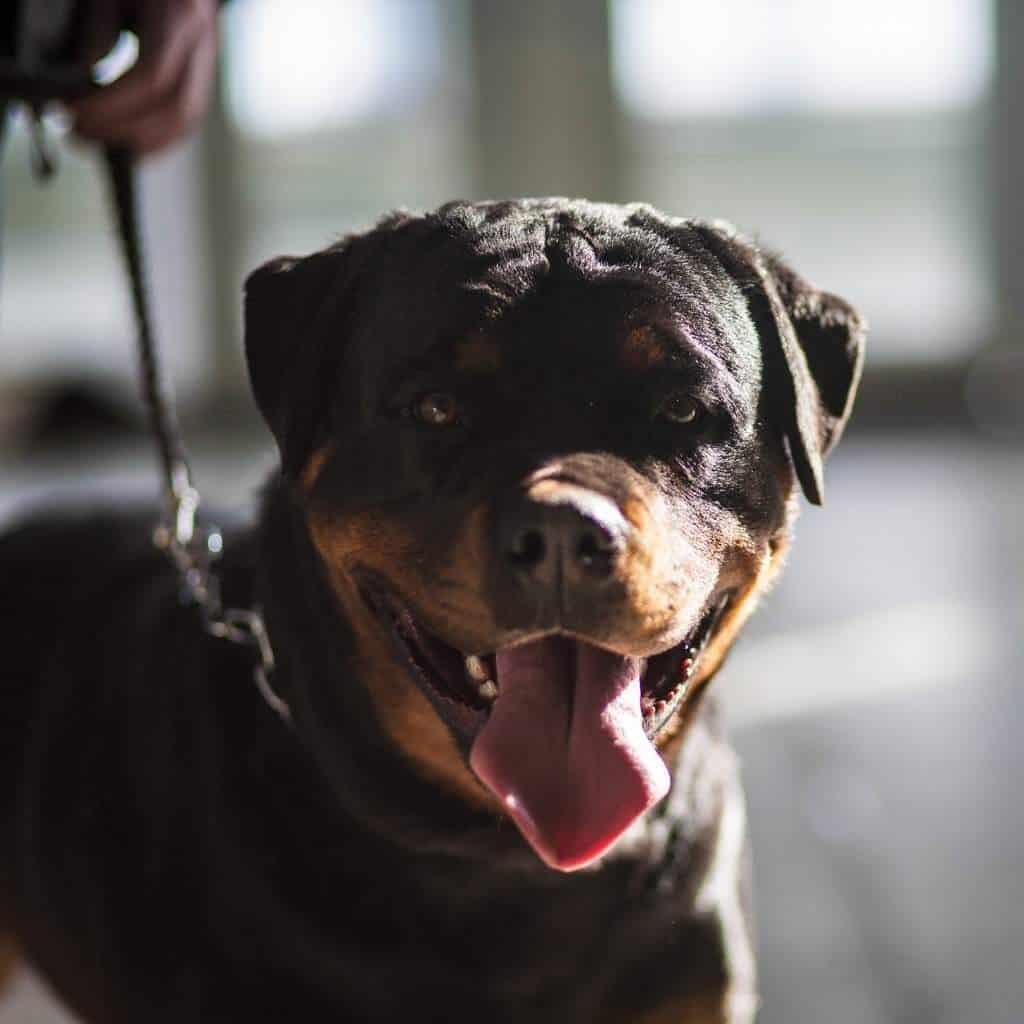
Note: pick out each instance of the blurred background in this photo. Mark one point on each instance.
(876, 700)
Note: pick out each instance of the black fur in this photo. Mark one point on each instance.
(173, 852)
(176, 854)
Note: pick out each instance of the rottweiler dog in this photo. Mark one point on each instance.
(538, 460)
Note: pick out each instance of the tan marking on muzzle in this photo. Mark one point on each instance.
(644, 348)
(706, 1009)
(10, 960)
(478, 354)
(637, 513)
(762, 575)
(403, 710)
(311, 472)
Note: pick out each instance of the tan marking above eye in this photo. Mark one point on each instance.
(477, 355)
(644, 348)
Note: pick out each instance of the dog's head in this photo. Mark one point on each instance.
(547, 452)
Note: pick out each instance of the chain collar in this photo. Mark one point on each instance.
(194, 551)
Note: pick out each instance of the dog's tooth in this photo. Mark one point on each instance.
(476, 669)
(488, 690)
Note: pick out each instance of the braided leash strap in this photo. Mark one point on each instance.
(191, 548)
(162, 421)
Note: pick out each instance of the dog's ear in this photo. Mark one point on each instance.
(813, 345)
(293, 312)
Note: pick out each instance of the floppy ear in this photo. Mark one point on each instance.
(293, 306)
(813, 344)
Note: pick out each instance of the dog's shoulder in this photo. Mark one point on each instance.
(63, 568)
(111, 745)
(100, 651)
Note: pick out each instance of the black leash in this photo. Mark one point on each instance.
(42, 67)
(193, 549)
(155, 394)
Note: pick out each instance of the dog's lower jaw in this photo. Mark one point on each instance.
(415, 727)
(417, 732)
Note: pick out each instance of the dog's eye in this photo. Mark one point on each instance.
(436, 409)
(682, 408)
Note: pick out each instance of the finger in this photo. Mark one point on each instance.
(179, 110)
(167, 34)
(186, 107)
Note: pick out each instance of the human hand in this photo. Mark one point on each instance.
(164, 94)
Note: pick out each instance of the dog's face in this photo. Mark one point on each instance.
(547, 452)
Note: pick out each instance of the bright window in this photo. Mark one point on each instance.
(733, 57)
(855, 146)
(302, 67)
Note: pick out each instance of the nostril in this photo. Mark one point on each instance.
(595, 552)
(528, 548)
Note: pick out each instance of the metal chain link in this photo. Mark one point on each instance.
(194, 551)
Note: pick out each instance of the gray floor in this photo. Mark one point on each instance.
(878, 708)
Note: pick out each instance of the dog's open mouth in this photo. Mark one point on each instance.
(559, 729)
(472, 680)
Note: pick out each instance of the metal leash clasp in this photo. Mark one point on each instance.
(194, 550)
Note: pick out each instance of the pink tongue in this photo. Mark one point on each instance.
(565, 751)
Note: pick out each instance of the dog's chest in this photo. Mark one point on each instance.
(584, 949)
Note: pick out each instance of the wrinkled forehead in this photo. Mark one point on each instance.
(481, 301)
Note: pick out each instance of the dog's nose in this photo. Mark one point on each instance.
(562, 534)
